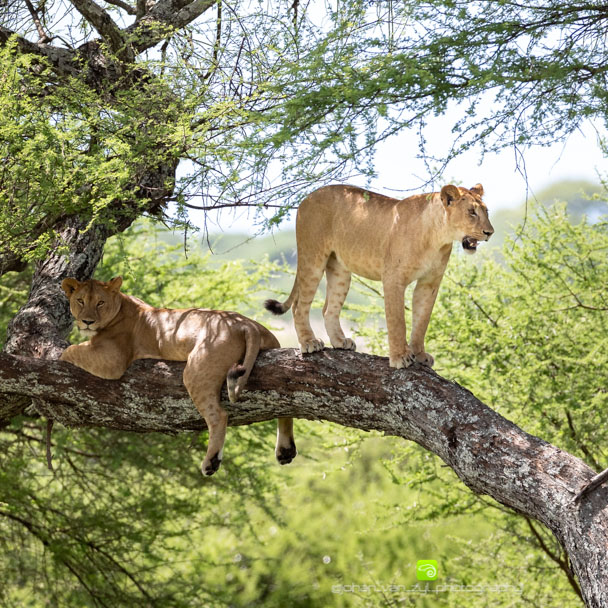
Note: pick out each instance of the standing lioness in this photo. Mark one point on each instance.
(345, 229)
(213, 342)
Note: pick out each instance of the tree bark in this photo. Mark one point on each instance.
(490, 454)
(41, 326)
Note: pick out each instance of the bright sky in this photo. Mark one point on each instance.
(502, 174)
(508, 179)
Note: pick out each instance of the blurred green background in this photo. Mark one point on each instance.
(127, 519)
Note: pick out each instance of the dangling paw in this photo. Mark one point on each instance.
(285, 454)
(211, 465)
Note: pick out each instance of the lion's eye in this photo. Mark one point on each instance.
(80, 301)
(100, 303)
(472, 212)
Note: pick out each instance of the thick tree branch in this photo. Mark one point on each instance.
(171, 15)
(64, 61)
(106, 27)
(149, 29)
(125, 6)
(142, 7)
(9, 262)
(488, 453)
(41, 326)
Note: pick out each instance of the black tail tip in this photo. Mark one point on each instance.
(275, 307)
(236, 371)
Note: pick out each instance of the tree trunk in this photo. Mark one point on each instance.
(488, 453)
(41, 326)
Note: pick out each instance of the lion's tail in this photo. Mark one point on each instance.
(279, 308)
(238, 374)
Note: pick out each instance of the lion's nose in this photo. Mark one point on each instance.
(489, 233)
(88, 322)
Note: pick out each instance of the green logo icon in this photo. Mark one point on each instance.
(426, 569)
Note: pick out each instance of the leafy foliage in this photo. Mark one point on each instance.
(119, 519)
(173, 276)
(64, 150)
(529, 338)
(126, 519)
(257, 103)
(513, 74)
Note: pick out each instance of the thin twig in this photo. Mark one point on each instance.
(43, 36)
(561, 562)
(597, 481)
(123, 5)
(580, 445)
(49, 456)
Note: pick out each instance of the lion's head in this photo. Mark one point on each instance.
(468, 215)
(94, 304)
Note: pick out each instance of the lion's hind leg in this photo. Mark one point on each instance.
(338, 283)
(309, 274)
(203, 378)
(286, 446)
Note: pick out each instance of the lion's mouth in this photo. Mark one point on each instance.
(469, 244)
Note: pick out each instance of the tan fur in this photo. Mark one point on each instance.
(123, 329)
(344, 229)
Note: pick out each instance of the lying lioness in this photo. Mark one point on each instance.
(123, 328)
(344, 229)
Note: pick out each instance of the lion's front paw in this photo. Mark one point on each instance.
(311, 346)
(425, 359)
(345, 344)
(400, 361)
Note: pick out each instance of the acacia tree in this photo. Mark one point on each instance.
(242, 94)
(101, 102)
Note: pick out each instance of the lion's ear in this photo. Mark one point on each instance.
(70, 285)
(114, 284)
(449, 194)
(477, 189)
